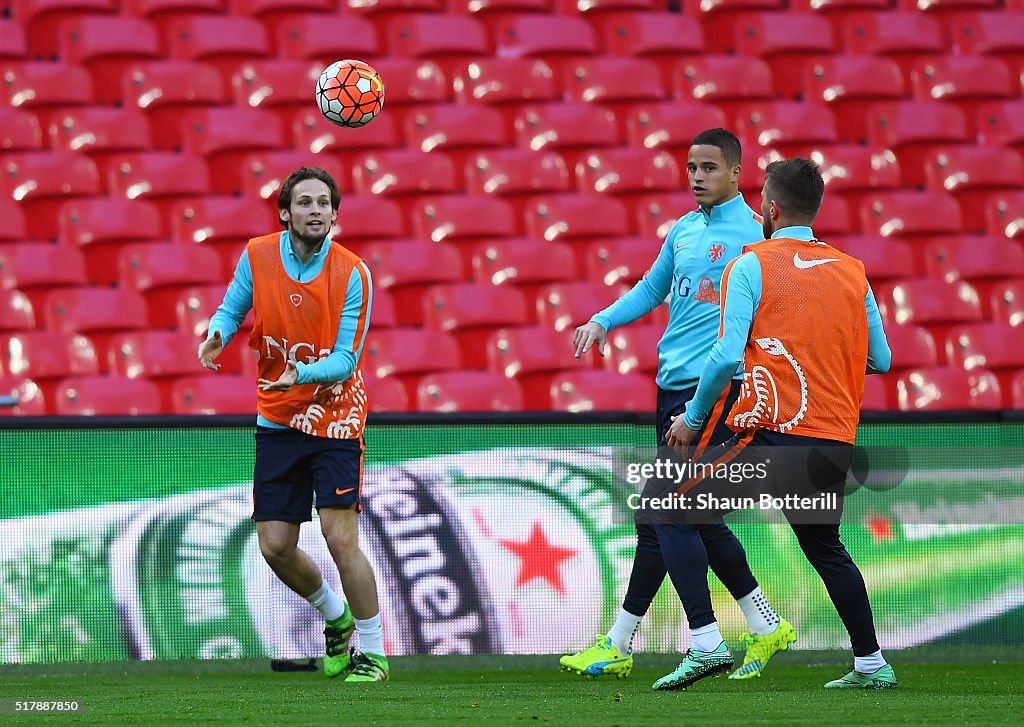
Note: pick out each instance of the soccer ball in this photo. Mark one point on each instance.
(350, 93)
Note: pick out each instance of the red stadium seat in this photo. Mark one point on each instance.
(621, 260)
(37, 179)
(953, 258)
(36, 268)
(385, 395)
(264, 172)
(41, 19)
(565, 125)
(44, 355)
(164, 13)
(164, 89)
(848, 85)
(468, 391)
(725, 81)
(564, 306)
(516, 172)
(412, 81)
(28, 397)
(100, 132)
(591, 9)
(612, 80)
(566, 216)
(20, 131)
(912, 346)
(671, 125)
(224, 135)
(901, 36)
(998, 33)
(222, 41)
(320, 37)
(965, 80)
(281, 85)
(877, 396)
(406, 269)
(12, 221)
(313, 134)
(531, 355)
(457, 217)
(988, 346)
(628, 170)
(443, 127)
(194, 306)
(788, 47)
(551, 38)
(218, 394)
(971, 174)
(401, 352)
(223, 224)
(719, 18)
(96, 312)
(884, 259)
(16, 312)
(944, 10)
(834, 217)
(434, 36)
(784, 125)
(1004, 214)
(947, 388)
(104, 45)
(1001, 123)
(392, 173)
(657, 35)
(160, 272)
(523, 263)
(12, 40)
(583, 391)
(853, 171)
(44, 87)
(633, 349)
(272, 12)
(656, 213)
(505, 80)
(155, 355)
(903, 213)
(472, 311)
(366, 217)
(106, 396)
(1006, 302)
(161, 177)
(925, 302)
(384, 313)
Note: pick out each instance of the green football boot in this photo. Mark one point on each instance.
(697, 665)
(337, 634)
(601, 659)
(368, 668)
(884, 678)
(762, 648)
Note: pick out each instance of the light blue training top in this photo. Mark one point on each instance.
(341, 362)
(688, 271)
(740, 307)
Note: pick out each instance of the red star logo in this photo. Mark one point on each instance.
(540, 559)
(880, 528)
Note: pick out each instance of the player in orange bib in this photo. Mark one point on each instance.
(800, 317)
(311, 299)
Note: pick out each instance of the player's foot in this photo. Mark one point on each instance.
(697, 665)
(884, 678)
(337, 634)
(761, 648)
(368, 668)
(599, 660)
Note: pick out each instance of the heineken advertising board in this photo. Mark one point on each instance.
(137, 543)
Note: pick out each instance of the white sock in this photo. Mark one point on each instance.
(706, 638)
(761, 617)
(621, 632)
(371, 635)
(869, 664)
(327, 602)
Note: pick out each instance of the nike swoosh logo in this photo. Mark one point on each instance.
(680, 246)
(804, 264)
(338, 491)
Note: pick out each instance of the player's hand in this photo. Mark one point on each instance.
(285, 381)
(587, 335)
(209, 350)
(679, 436)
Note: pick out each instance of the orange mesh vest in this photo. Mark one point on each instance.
(299, 321)
(807, 351)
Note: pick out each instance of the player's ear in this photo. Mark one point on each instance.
(283, 215)
(736, 173)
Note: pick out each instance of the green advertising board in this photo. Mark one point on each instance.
(137, 543)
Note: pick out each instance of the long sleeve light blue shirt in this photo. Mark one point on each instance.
(688, 271)
(341, 362)
(740, 307)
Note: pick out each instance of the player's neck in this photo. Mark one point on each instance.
(304, 247)
(732, 195)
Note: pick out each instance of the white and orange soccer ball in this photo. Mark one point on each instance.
(350, 93)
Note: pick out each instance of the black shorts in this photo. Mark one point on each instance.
(292, 467)
(714, 430)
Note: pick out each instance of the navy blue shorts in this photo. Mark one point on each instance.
(292, 467)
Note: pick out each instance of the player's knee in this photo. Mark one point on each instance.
(276, 550)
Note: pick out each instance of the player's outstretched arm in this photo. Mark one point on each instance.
(587, 336)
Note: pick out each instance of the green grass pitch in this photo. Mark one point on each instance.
(937, 687)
